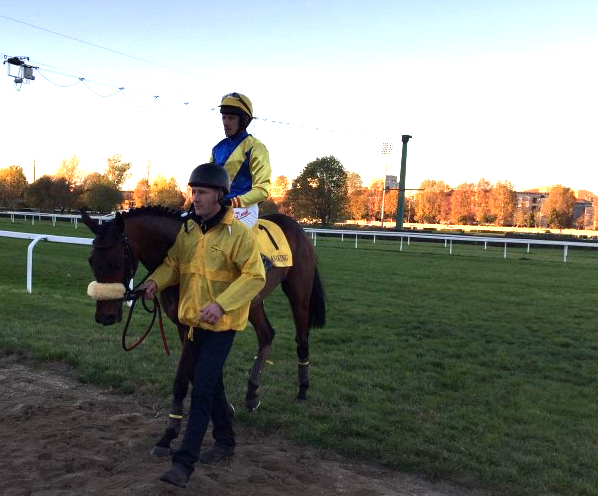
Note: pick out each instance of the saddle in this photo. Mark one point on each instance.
(274, 247)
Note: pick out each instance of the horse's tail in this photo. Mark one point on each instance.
(317, 303)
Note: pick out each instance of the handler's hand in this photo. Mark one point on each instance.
(150, 288)
(211, 314)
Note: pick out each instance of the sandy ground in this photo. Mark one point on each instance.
(64, 438)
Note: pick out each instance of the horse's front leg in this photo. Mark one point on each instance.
(184, 375)
(265, 335)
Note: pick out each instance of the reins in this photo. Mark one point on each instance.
(133, 295)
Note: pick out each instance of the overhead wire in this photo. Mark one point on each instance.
(95, 45)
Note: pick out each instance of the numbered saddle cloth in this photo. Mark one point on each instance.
(273, 244)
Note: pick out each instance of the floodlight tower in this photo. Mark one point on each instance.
(19, 70)
(386, 150)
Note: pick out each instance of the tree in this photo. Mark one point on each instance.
(502, 201)
(374, 199)
(101, 193)
(280, 187)
(141, 193)
(432, 204)
(354, 182)
(558, 207)
(481, 202)
(48, 193)
(13, 185)
(69, 169)
(462, 204)
(166, 192)
(71, 172)
(358, 204)
(117, 171)
(320, 191)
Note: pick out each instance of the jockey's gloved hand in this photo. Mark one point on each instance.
(231, 202)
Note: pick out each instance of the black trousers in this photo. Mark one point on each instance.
(208, 399)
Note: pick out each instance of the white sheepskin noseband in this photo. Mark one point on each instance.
(106, 290)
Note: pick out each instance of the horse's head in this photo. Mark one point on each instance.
(113, 266)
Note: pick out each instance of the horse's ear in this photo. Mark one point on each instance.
(89, 222)
(119, 222)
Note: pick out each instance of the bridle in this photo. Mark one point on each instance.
(132, 294)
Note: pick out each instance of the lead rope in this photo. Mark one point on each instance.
(133, 295)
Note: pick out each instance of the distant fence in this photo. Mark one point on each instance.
(401, 237)
(73, 218)
(447, 238)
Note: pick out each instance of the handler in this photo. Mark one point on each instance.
(244, 157)
(216, 261)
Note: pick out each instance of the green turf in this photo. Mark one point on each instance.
(467, 367)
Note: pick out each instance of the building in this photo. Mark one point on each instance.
(391, 182)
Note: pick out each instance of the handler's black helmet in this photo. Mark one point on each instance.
(211, 175)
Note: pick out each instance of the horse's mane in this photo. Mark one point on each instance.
(154, 211)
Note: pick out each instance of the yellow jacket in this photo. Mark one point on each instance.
(223, 266)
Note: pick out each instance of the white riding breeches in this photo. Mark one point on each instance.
(247, 215)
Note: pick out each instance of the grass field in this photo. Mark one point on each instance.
(466, 367)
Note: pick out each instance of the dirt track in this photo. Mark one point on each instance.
(63, 438)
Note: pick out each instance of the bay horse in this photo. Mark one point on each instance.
(144, 235)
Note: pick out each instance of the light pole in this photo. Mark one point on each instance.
(386, 150)
(401, 205)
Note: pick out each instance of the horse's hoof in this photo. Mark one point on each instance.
(253, 404)
(299, 401)
(160, 451)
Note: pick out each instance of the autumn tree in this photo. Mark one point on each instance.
(462, 204)
(374, 199)
(141, 193)
(558, 207)
(502, 201)
(481, 202)
(320, 191)
(357, 207)
(70, 170)
(280, 187)
(13, 185)
(166, 192)
(117, 171)
(432, 204)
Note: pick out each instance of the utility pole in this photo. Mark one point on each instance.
(401, 206)
(386, 150)
(33, 170)
(147, 191)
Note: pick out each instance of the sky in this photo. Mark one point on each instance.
(504, 90)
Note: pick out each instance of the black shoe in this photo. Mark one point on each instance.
(216, 452)
(177, 476)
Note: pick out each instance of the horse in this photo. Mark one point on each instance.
(144, 235)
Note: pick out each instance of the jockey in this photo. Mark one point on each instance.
(244, 157)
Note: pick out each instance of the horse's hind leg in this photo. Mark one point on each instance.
(184, 373)
(265, 335)
(295, 292)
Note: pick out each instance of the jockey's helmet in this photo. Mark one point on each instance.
(236, 103)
